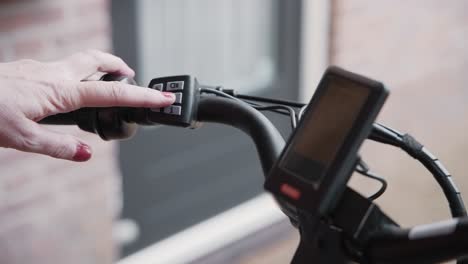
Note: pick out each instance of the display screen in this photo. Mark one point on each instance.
(324, 128)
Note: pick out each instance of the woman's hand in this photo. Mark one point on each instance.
(31, 90)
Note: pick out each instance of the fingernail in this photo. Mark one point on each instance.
(168, 95)
(83, 153)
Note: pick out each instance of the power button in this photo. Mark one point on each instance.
(290, 191)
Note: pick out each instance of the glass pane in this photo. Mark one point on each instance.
(221, 42)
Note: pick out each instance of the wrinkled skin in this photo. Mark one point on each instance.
(31, 90)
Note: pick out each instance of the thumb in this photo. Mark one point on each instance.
(41, 140)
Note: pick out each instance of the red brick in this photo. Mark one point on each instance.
(30, 18)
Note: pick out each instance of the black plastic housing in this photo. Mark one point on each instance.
(321, 198)
(189, 105)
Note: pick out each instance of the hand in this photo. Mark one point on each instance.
(31, 90)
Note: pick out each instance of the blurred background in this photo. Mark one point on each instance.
(195, 196)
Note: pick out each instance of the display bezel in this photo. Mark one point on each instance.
(323, 197)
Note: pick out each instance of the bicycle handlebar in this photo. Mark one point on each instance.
(268, 141)
(444, 241)
(429, 243)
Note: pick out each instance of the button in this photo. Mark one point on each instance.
(155, 109)
(173, 110)
(178, 98)
(290, 191)
(158, 86)
(171, 86)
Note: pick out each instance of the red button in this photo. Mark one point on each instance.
(290, 191)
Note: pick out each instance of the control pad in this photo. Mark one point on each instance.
(182, 111)
(176, 108)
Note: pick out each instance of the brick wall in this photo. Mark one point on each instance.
(418, 48)
(54, 211)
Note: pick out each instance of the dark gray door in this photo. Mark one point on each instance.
(173, 177)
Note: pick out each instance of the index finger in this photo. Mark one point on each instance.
(102, 94)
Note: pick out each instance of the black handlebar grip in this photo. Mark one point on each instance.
(108, 122)
(60, 119)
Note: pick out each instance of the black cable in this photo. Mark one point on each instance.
(410, 145)
(383, 135)
(278, 111)
(287, 112)
(444, 179)
(364, 170)
(219, 93)
(382, 189)
(278, 104)
(390, 129)
(292, 113)
(416, 150)
(362, 164)
(269, 100)
(301, 112)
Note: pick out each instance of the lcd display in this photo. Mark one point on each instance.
(324, 128)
